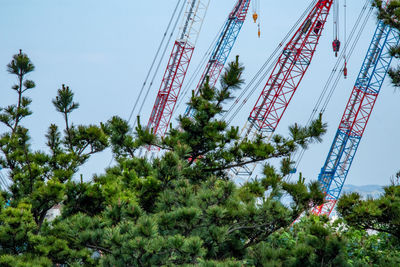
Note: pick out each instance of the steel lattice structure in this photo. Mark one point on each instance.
(289, 70)
(286, 75)
(177, 67)
(356, 115)
(224, 44)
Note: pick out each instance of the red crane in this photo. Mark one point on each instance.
(356, 115)
(286, 75)
(223, 46)
(177, 66)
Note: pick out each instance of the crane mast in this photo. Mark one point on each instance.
(286, 76)
(224, 45)
(177, 67)
(356, 115)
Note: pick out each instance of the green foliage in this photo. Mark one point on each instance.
(367, 248)
(390, 14)
(382, 214)
(64, 101)
(24, 260)
(312, 241)
(180, 208)
(38, 179)
(374, 224)
(19, 66)
(16, 223)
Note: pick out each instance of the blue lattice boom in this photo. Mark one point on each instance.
(356, 115)
(224, 45)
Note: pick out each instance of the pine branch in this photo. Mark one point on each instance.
(241, 164)
(97, 247)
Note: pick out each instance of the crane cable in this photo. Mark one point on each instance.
(153, 62)
(273, 57)
(339, 60)
(155, 59)
(345, 40)
(347, 56)
(190, 84)
(336, 20)
(343, 55)
(255, 8)
(336, 81)
(196, 73)
(3, 184)
(258, 78)
(206, 57)
(256, 15)
(159, 63)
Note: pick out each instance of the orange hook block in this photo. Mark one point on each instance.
(255, 17)
(345, 70)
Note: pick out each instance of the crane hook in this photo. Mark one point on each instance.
(255, 17)
(336, 46)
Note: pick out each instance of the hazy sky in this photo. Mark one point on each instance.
(103, 49)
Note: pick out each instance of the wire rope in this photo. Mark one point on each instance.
(339, 60)
(351, 50)
(336, 20)
(356, 36)
(196, 73)
(334, 86)
(155, 59)
(158, 66)
(153, 63)
(345, 29)
(257, 79)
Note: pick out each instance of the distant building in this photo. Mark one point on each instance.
(53, 212)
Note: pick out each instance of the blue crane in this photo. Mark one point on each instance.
(356, 115)
(224, 45)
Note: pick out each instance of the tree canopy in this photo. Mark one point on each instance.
(181, 207)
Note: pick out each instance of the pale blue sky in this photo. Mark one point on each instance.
(103, 49)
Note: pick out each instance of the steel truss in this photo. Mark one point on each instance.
(286, 77)
(356, 115)
(225, 43)
(177, 66)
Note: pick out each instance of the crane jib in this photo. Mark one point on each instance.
(356, 115)
(295, 59)
(177, 66)
(286, 75)
(223, 46)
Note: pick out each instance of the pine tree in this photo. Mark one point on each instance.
(179, 208)
(182, 208)
(374, 225)
(381, 214)
(38, 179)
(312, 241)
